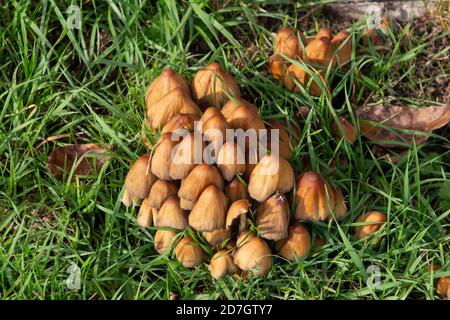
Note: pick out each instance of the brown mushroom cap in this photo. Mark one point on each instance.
(374, 220)
(162, 156)
(271, 174)
(159, 192)
(217, 236)
(167, 81)
(171, 215)
(286, 43)
(253, 255)
(277, 66)
(164, 240)
(212, 85)
(238, 210)
(221, 264)
(347, 128)
(145, 214)
(236, 190)
(180, 122)
(342, 42)
(138, 181)
(188, 253)
(231, 160)
(185, 156)
(296, 245)
(443, 287)
(316, 199)
(272, 217)
(208, 213)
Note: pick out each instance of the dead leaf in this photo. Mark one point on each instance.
(381, 123)
(83, 156)
(347, 128)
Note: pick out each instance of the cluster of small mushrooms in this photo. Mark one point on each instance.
(238, 209)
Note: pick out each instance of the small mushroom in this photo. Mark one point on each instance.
(208, 213)
(270, 175)
(231, 160)
(185, 156)
(171, 215)
(277, 66)
(221, 264)
(286, 43)
(253, 254)
(272, 217)
(372, 221)
(145, 214)
(138, 181)
(217, 236)
(188, 253)
(236, 190)
(164, 240)
(443, 287)
(237, 215)
(296, 245)
(159, 192)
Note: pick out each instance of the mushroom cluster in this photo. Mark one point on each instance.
(200, 186)
(313, 57)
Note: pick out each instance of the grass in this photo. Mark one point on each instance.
(88, 84)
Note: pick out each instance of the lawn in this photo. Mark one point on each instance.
(63, 83)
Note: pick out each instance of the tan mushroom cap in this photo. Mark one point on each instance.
(188, 253)
(296, 245)
(217, 236)
(272, 217)
(236, 190)
(209, 212)
(373, 222)
(443, 287)
(231, 160)
(164, 239)
(138, 181)
(171, 215)
(221, 264)
(238, 210)
(287, 43)
(159, 192)
(145, 214)
(253, 254)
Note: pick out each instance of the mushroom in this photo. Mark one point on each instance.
(231, 160)
(270, 175)
(213, 127)
(185, 156)
(198, 179)
(286, 43)
(221, 264)
(180, 122)
(272, 217)
(212, 86)
(443, 287)
(342, 43)
(242, 115)
(171, 215)
(167, 81)
(285, 140)
(316, 199)
(138, 181)
(277, 66)
(253, 254)
(164, 240)
(217, 236)
(324, 33)
(371, 222)
(145, 214)
(159, 192)
(237, 215)
(296, 245)
(295, 73)
(236, 190)
(162, 156)
(209, 211)
(188, 253)
(176, 101)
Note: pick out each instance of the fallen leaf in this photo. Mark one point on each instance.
(347, 128)
(381, 123)
(84, 156)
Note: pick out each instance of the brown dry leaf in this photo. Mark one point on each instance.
(422, 120)
(61, 160)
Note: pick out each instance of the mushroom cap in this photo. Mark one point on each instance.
(271, 174)
(285, 140)
(296, 245)
(198, 179)
(164, 240)
(272, 217)
(211, 86)
(176, 101)
(374, 220)
(242, 115)
(292, 74)
(208, 213)
(159, 192)
(217, 236)
(254, 255)
(443, 287)
(320, 51)
(324, 33)
(180, 122)
(145, 214)
(185, 156)
(171, 215)
(316, 198)
(286, 43)
(162, 156)
(277, 66)
(221, 264)
(342, 42)
(167, 81)
(138, 181)
(347, 128)
(188, 253)
(231, 160)
(235, 190)
(238, 210)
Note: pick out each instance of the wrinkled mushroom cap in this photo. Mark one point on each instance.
(221, 264)
(164, 240)
(254, 255)
(209, 212)
(188, 253)
(296, 245)
(272, 217)
(138, 181)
